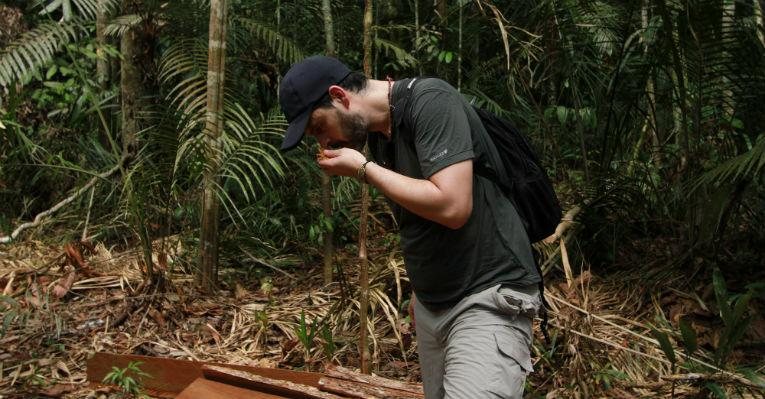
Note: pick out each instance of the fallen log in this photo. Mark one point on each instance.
(400, 388)
(244, 379)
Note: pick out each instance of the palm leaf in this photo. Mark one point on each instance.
(284, 48)
(118, 26)
(36, 48)
(401, 55)
(743, 167)
(87, 9)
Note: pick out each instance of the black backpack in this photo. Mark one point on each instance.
(516, 168)
(522, 177)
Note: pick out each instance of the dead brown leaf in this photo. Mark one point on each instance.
(157, 317)
(240, 292)
(64, 284)
(58, 390)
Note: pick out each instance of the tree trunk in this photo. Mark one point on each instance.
(130, 84)
(459, 50)
(326, 186)
(208, 251)
(102, 64)
(417, 43)
(131, 92)
(364, 266)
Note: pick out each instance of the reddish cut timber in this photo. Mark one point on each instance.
(206, 389)
(402, 389)
(170, 376)
(249, 380)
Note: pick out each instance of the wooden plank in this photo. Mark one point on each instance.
(171, 376)
(414, 390)
(363, 391)
(253, 381)
(206, 389)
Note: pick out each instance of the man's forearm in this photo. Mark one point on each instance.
(421, 197)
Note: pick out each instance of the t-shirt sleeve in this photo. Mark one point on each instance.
(441, 129)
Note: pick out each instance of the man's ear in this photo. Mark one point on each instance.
(337, 93)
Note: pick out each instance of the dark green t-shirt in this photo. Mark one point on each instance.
(434, 128)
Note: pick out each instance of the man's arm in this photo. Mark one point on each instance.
(445, 198)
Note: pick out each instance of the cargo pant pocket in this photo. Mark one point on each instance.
(515, 363)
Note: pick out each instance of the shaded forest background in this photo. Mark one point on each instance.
(647, 115)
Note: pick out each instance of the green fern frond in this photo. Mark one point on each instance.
(402, 56)
(36, 48)
(285, 49)
(744, 166)
(252, 161)
(87, 9)
(118, 26)
(183, 67)
(481, 99)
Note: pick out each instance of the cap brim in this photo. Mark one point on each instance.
(295, 131)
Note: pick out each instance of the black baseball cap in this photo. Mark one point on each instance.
(304, 85)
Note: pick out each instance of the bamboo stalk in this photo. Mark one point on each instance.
(364, 262)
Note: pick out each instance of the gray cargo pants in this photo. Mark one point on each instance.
(478, 348)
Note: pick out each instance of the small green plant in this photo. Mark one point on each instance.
(131, 387)
(306, 333)
(328, 344)
(12, 312)
(734, 314)
(607, 375)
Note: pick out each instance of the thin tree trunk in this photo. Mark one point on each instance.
(417, 33)
(459, 51)
(130, 85)
(102, 64)
(131, 91)
(441, 10)
(364, 266)
(208, 251)
(326, 186)
(729, 102)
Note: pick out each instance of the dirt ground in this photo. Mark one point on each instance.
(61, 304)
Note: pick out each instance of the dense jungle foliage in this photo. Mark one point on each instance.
(647, 114)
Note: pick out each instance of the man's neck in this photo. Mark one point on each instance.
(378, 106)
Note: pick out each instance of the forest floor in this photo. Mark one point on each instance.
(60, 304)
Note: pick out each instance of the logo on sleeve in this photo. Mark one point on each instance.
(438, 156)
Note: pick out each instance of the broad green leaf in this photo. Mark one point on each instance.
(721, 294)
(562, 113)
(740, 307)
(666, 346)
(51, 71)
(689, 337)
(716, 390)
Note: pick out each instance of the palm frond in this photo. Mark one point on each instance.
(87, 9)
(250, 159)
(745, 166)
(285, 49)
(402, 56)
(36, 48)
(118, 26)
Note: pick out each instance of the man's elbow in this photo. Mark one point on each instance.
(458, 216)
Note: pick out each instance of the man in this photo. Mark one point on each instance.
(467, 255)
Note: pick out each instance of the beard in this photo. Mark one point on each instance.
(355, 131)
